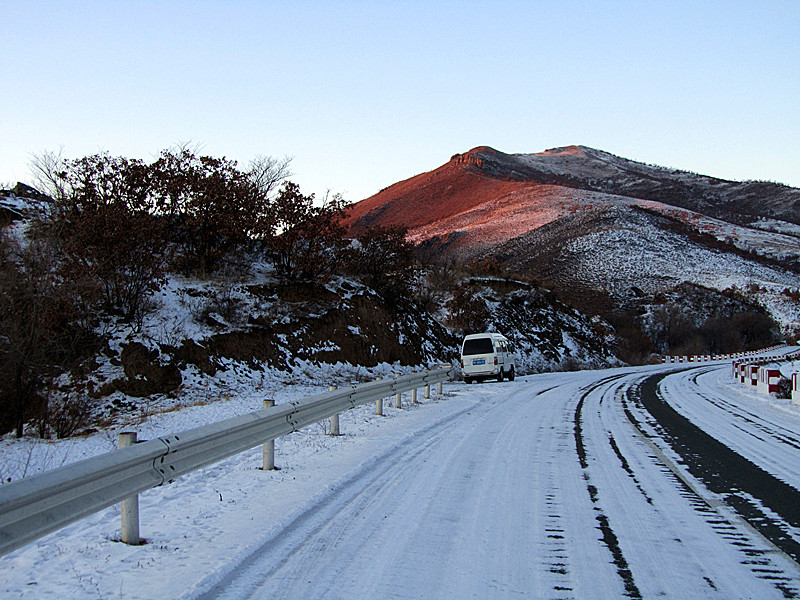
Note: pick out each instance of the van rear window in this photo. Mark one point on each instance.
(478, 346)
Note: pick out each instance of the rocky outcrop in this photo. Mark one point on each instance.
(146, 373)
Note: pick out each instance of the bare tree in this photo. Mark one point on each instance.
(108, 233)
(308, 234)
(385, 260)
(267, 173)
(48, 171)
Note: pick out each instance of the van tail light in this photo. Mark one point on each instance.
(495, 360)
(462, 364)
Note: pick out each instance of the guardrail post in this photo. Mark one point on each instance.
(398, 397)
(268, 452)
(130, 506)
(414, 396)
(439, 388)
(379, 402)
(427, 390)
(334, 418)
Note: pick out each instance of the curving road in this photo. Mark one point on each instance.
(638, 483)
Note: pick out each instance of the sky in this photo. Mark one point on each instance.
(363, 94)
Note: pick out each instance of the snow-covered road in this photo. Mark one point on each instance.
(544, 490)
(553, 486)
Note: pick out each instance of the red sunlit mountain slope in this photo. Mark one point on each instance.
(584, 220)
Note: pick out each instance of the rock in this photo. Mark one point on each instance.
(145, 373)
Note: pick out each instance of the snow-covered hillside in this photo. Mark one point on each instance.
(198, 338)
(590, 168)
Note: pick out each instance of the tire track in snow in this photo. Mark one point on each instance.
(769, 429)
(559, 572)
(352, 494)
(757, 558)
(608, 537)
(557, 557)
(673, 526)
(746, 489)
(465, 520)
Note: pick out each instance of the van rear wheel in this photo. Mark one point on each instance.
(511, 374)
(500, 375)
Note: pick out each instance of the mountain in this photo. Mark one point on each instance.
(634, 244)
(484, 174)
(598, 229)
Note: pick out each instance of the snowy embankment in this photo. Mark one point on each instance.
(540, 487)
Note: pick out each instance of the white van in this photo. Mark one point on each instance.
(487, 355)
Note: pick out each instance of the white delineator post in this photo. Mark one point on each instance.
(754, 375)
(269, 447)
(334, 418)
(768, 380)
(130, 506)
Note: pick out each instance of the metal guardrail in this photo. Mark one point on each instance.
(667, 359)
(33, 507)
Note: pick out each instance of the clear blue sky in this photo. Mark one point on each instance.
(364, 94)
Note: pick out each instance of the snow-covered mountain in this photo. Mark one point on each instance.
(596, 227)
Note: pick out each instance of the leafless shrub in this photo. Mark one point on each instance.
(632, 345)
(384, 259)
(468, 311)
(784, 388)
(64, 415)
(444, 274)
(44, 328)
(570, 363)
(309, 235)
(223, 302)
